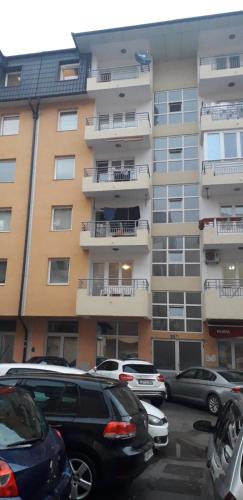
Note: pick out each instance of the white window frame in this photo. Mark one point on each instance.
(12, 73)
(66, 111)
(167, 251)
(53, 259)
(169, 100)
(10, 211)
(4, 260)
(2, 124)
(8, 161)
(169, 158)
(64, 207)
(57, 158)
(174, 198)
(68, 66)
(169, 304)
(221, 143)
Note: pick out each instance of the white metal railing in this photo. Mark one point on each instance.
(225, 227)
(223, 167)
(118, 73)
(117, 120)
(225, 287)
(113, 287)
(116, 174)
(222, 111)
(229, 61)
(114, 228)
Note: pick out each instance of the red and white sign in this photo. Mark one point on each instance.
(225, 331)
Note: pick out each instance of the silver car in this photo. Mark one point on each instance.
(206, 386)
(225, 454)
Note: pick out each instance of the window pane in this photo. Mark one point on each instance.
(175, 118)
(176, 311)
(175, 242)
(190, 105)
(7, 170)
(213, 147)
(59, 271)
(190, 93)
(192, 256)
(3, 268)
(65, 168)
(191, 189)
(13, 79)
(160, 167)
(190, 140)
(174, 256)
(192, 269)
(160, 311)
(193, 325)
(159, 270)
(193, 298)
(176, 297)
(239, 210)
(241, 144)
(175, 95)
(190, 117)
(68, 120)
(230, 147)
(175, 166)
(159, 256)
(159, 217)
(159, 324)
(175, 142)
(5, 216)
(160, 109)
(160, 155)
(10, 125)
(160, 143)
(191, 165)
(159, 242)
(191, 216)
(175, 191)
(175, 270)
(159, 191)
(191, 203)
(193, 312)
(192, 241)
(190, 153)
(160, 119)
(176, 325)
(174, 203)
(159, 204)
(159, 297)
(226, 210)
(160, 96)
(175, 217)
(62, 219)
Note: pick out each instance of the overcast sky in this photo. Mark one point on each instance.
(36, 25)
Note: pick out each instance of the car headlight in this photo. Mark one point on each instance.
(157, 421)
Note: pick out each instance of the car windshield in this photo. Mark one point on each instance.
(20, 420)
(232, 376)
(137, 368)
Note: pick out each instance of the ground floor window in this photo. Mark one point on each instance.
(230, 354)
(117, 339)
(176, 355)
(7, 334)
(62, 340)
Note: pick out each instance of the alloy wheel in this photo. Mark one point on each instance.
(213, 404)
(82, 479)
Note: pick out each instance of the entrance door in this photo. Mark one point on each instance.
(176, 355)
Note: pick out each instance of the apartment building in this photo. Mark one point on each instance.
(121, 206)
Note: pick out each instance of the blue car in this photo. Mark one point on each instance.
(33, 462)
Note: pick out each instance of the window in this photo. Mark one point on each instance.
(176, 256)
(3, 270)
(206, 375)
(108, 366)
(225, 62)
(58, 271)
(69, 71)
(13, 78)
(176, 153)
(62, 326)
(175, 106)
(188, 374)
(5, 218)
(175, 203)
(93, 404)
(53, 396)
(177, 311)
(64, 167)
(9, 125)
(61, 218)
(7, 170)
(223, 145)
(67, 120)
(231, 210)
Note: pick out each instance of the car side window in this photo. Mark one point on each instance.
(206, 375)
(109, 366)
(188, 374)
(93, 404)
(53, 396)
(10, 382)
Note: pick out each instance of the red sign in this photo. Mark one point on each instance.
(225, 331)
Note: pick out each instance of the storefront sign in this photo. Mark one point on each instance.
(223, 332)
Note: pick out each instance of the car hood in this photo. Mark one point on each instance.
(152, 410)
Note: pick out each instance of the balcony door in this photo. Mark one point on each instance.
(112, 277)
(117, 120)
(232, 271)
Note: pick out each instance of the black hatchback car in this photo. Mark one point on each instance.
(103, 424)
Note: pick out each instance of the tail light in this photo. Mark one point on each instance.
(58, 433)
(229, 496)
(8, 486)
(237, 388)
(124, 377)
(160, 378)
(119, 430)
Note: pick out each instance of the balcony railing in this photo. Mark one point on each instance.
(223, 167)
(223, 111)
(114, 228)
(223, 62)
(225, 287)
(117, 120)
(223, 226)
(116, 174)
(118, 73)
(113, 287)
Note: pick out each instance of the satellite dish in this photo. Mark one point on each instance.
(143, 57)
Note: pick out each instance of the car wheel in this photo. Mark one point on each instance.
(83, 478)
(168, 391)
(213, 404)
(157, 401)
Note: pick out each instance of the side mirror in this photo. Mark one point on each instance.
(95, 368)
(204, 426)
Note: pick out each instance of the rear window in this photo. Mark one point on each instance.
(20, 419)
(232, 376)
(137, 368)
(125, 401)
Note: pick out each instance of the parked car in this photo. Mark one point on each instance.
(49, 360)
(103, 424)
(32, 454)
(17, 368)
(225, 453)
(158, 427)
(142, 377)
(206, 386)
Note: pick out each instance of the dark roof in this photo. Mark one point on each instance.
(105, 382)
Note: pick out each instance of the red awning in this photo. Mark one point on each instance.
(225, 331)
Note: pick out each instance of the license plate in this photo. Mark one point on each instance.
(148, 454)
(146, 382)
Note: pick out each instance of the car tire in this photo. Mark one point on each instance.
(168, 391)
(213, 404)
(84, 479)
(157, 402)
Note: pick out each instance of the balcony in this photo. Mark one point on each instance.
(126, 181)
(115, 233)
(222, 116)
(112, 297)
(222, 232)
(216, 72)
(131, 130)
(136, 81)
(223, 299)
(222, 176)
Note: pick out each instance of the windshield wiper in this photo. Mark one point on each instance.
(23, 443)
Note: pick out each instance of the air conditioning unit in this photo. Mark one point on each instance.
(212, 257)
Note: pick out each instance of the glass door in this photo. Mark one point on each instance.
(176, 355)
(98, 277)
(62, 346)
(187, 351)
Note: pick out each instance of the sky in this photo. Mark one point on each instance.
(36, 25)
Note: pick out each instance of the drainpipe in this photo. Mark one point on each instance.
(35, 115)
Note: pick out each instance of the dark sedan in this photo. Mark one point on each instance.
(206, 386)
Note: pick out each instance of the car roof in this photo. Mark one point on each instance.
(101, 381)
(4, 367)
(129, 361)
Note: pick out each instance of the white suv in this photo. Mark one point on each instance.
(141, 377)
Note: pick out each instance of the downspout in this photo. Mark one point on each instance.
(35, 115)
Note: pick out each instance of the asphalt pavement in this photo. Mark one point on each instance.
(178, 472)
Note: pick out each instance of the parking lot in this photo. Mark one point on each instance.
(178, 471)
